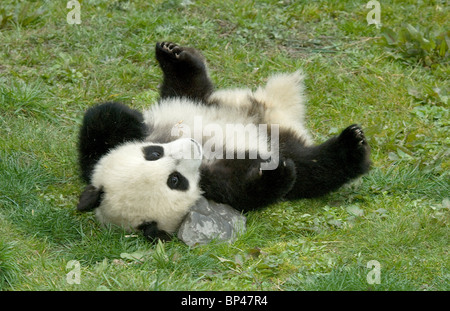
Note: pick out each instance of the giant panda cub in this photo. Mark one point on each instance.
(244, 148)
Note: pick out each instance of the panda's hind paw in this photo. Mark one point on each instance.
(355, 147)
(353, 138)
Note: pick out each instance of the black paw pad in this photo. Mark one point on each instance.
(353, 144)
(353, 136)
(170, 49)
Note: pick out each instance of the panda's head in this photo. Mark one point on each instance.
(145, 186)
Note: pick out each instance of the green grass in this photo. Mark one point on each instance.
(398, 214)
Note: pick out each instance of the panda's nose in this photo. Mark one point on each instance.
(185, 148)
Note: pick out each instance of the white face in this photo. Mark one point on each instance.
(145, 182)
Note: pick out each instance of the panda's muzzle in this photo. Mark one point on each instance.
(184, 149)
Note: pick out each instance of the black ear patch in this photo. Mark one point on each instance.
(153, 152)
(104, 127)
(90, 198)
(152, 233)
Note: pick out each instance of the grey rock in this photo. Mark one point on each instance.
(208, 220)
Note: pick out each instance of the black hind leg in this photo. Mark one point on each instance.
(326, 167)
(185, 72)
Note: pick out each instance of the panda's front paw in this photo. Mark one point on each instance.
(169, 49)
(280, 179)
(265, 186)
(172, 53)
(355, 149)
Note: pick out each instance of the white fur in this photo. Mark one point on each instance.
(284, 99)
(232, 97)
(137, 190)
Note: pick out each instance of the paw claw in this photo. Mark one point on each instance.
(171, 49)
(353, 135)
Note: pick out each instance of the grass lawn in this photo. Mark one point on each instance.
(397, 216)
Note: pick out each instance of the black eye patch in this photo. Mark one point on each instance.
(153, 152)
(176, 181)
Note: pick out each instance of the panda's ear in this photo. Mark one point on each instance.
(90, 198)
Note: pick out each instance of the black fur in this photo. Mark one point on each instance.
(153, 152)
(177, 181)
(90, 199)
(152, 233)
(184, 72)
(104, 127)
(241, 183)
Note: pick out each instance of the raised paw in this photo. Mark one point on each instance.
(353, 136)
(171, 55)
(185, 72)
(170, 49)
(354, 147)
